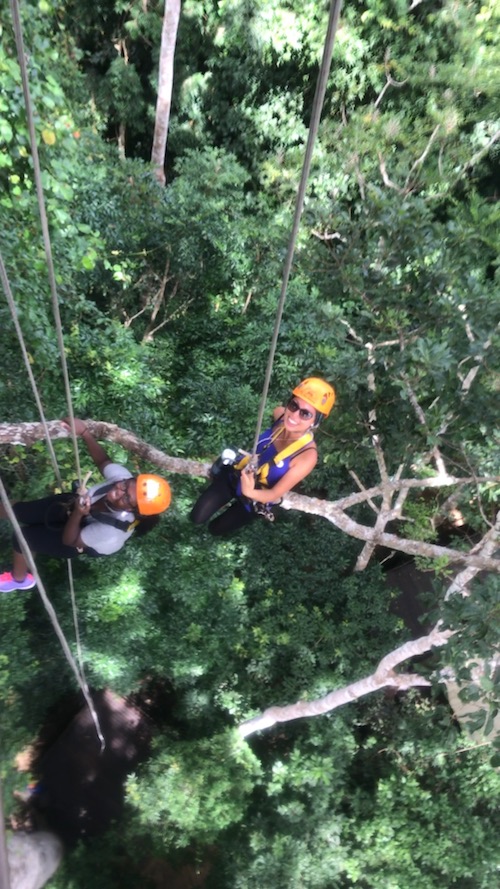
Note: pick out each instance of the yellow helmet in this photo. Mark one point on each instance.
(317, 393)
(153, 494)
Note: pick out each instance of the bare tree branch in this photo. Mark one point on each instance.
(482, 152)
(336, 515)
(385, 178)
(389, 82)
(29, 433)
(420, 160)
(385, 676)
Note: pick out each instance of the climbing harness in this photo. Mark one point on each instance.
(265, 510)
(291, 450)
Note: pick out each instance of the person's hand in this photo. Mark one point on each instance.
(248, 483)
(82, 504)
(80, 425)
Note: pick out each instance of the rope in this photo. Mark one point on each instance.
(73, 599)
(82, 684)
(319, 98)
(43, 218)
(74, 610)
(12, 307)
(10, 300)
(57, 318)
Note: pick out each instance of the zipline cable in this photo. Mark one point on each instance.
(13, 312)
(50, 610)
(319, 97)
(43, 218)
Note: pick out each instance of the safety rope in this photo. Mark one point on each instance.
(57, 318)
(43, 218)
(82, 684)
(318, 101)
(24, 351)
(55, 464)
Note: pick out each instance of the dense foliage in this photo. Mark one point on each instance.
(167, 301)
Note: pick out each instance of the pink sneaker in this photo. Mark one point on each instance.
(7, 582)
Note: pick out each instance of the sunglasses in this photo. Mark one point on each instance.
(304, 414)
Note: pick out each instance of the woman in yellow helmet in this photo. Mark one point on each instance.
(286, 454)
(96, 523)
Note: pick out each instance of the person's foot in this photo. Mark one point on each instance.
(9, 583)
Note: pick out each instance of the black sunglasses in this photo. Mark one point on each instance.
(304, 414)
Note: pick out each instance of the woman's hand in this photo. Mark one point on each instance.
(82, 505)
(248, 483)
(80, 425)
(71, 530)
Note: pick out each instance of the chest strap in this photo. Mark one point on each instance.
(290, 451)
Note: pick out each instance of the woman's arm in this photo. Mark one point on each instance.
(301, 466)
(98, 454)
(71, 530)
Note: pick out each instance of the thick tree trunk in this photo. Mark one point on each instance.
(171, 18)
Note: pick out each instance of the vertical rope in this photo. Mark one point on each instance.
(82, 684)
(60, 339)
(319, 98)
(24, 351)
(43, 218)
(76, 626)
(10, 300)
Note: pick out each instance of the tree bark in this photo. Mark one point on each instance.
(171, 18)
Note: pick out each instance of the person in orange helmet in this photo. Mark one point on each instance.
(96, 523)
(286, 454)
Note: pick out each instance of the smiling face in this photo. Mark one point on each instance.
(299, 415)
(123, 495)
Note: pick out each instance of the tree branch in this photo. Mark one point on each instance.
(383, 677)
(332, 511)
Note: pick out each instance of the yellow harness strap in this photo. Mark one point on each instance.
(289, 451)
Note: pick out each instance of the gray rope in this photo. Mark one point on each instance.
(50, 610)
(13, 312)
(43, 218)
(60, 339)
(319, 98)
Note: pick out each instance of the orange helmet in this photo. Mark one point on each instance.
(153, 494)
(317, 393)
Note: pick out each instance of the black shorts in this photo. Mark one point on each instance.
(43, 523)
